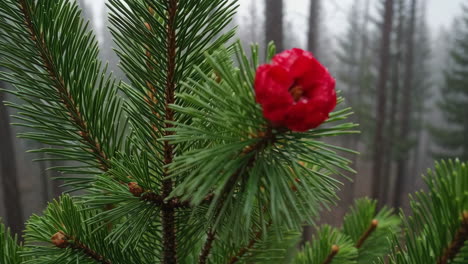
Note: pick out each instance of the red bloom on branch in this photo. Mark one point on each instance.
(295, 90)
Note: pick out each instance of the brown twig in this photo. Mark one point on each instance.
(461, 236)
(249, 246)
(61, 240)
(334, 251)
(211, 235)
(368, 233)
(160, 201)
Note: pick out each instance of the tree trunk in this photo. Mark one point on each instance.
(85, 10)
(274, 22)
(402, 164)
(395, 91)
(11, 195)
(314, 18)
(381, 105)
(56, 188)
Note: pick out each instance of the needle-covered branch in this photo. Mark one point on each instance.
(66, 98)
(66, 235)
(69, 101)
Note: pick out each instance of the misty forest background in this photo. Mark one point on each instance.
(408, 87)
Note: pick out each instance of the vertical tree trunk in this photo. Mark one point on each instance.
(354, 43)
(56, 188)
(11, 195)
(402, 164)
(314, 18)
(45, 181)
(395, 91)
(363, 54)
(382, 99)
(85, 10)
(274, 23)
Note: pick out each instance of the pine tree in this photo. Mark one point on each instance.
(452, 137)
(181, 165)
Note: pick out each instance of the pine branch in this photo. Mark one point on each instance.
(79, 239)
(434, 225)
(334, 251)
(457, 243)
(67, 100)
(368, 233)
(370, 229)
(62, 240)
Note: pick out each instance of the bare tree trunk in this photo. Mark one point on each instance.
(45, 181)
(8, 173)
(85, 10)
(381, 104)
(274, 22)
(395, 91)
(314, 18)
(354, 43)
(363, 58)
(56, 189)
(402, 164)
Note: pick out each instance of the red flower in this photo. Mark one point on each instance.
(295, 90)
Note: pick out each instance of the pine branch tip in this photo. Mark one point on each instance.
(135, 189)
(59, 240)
(335, 249)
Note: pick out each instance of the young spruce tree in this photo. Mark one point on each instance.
(181, 165)
(452, 139)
